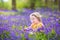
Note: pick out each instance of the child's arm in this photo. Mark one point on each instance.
(27, 28)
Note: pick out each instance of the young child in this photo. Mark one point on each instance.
(36, 23)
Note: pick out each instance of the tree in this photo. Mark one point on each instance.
(55, 1)
(46, 2)
(59, 4)
(32, 4)
(13, 4)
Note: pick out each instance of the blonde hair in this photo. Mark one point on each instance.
(37, 15)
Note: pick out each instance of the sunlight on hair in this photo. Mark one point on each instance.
(36, 13)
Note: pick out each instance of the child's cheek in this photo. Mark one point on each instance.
(36, 20)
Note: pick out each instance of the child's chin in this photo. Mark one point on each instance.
(33, 22)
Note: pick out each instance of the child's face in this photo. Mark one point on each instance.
(34, 19)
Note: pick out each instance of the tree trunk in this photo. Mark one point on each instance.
(46, 3)
(13, 4)
(55, 1)
(32, 4)
(59, 4)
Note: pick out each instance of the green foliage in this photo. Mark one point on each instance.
(5, 5)
(39, 3)
(13, 27)
(19, 28)
(5, 35)
(32, 36)
(52, 35)
(41, 36)
(22, 37)
(20, 4)
(8, 13)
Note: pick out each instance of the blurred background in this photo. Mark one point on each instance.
(31, 4)
(14, 17)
